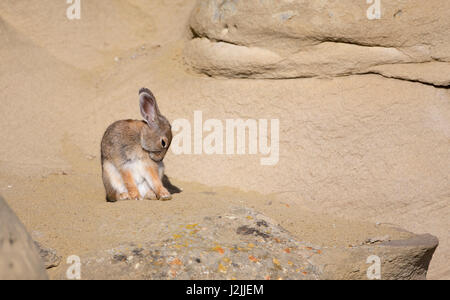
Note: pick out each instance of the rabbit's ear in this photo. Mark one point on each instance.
(149, 108)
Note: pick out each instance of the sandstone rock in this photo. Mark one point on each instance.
(19, 258)
(399, 260)
(244, 244)
(291, 39)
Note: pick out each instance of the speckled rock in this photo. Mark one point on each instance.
(239, 245)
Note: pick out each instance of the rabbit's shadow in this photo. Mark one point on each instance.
(169, 186)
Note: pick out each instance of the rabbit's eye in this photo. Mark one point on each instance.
(163, 143)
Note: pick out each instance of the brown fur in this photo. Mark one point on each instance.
(131, 143)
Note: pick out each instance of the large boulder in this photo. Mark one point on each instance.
(301, 38)
(19, 257)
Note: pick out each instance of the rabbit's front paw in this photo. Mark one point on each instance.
(134, 195)
(150, 196)
(164, 195)
(123, 197)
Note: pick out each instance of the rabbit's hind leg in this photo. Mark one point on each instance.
(113, 182)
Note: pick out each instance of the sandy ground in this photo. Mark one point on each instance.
(63, 82)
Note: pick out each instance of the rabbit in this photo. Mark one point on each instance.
(132, 154)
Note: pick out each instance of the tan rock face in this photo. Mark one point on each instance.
(19, 258)
(288, 39)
